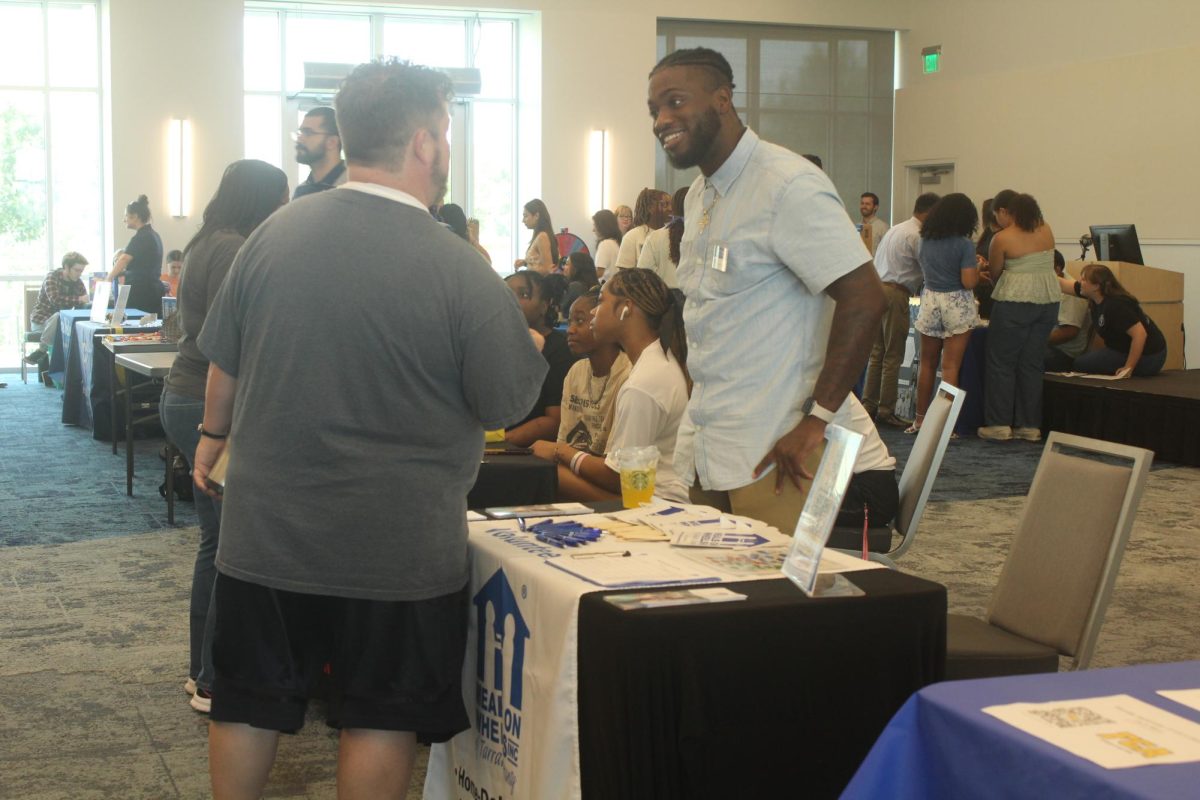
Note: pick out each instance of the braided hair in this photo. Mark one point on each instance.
(646, 205)
(715, 65)
(663, 308)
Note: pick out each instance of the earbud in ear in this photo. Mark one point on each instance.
(624, 312)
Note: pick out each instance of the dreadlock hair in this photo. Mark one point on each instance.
(663, 308)
(644, 208)
(676, 234)
(715, 66)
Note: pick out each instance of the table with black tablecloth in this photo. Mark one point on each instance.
(779, 695)
(86, 381)
(942, 745)
(513, 479)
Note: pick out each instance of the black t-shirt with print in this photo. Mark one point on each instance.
(1116, 315)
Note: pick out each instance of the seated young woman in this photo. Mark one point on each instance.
(1132, 343)
(541, 313)
(639, 314)
(590, 391)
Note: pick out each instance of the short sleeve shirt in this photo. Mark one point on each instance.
(558, 361)
(146, 253)
(372, 348)
(763, 238)
(588, 405)
(1115, 316)
(943, 260)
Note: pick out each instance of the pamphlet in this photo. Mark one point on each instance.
(620, 568)
(1187, 697)
(1115, 732)
(673, 597)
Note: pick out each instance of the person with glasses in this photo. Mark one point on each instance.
(319, 146)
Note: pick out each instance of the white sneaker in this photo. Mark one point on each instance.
(190, 686)
(201, 701)
(1028, 434)
(996, 433)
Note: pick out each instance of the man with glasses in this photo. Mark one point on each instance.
(319, 146)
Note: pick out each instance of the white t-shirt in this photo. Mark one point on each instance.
(656, 257)
(649, 407)
(606, 256)
(589, 404)
(631, 246)
(874, 453)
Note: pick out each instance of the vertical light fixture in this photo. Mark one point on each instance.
(597, 171)
(179, 167)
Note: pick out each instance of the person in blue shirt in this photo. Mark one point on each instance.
(948, 309)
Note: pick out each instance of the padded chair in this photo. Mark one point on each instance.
(1057, 581)
(916, 482)
(31, 296)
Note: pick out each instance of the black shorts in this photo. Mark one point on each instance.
(390, 665)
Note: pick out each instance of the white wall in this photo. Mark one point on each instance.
(1088, 106)
(171, 59)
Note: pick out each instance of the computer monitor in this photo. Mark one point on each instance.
(1116, 243)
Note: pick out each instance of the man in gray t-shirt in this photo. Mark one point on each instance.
(359, 350)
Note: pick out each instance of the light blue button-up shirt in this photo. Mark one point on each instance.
(758, 329)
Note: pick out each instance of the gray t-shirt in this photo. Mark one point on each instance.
(372, 347)
(204, 271)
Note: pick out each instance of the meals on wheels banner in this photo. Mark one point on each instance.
(519, 677)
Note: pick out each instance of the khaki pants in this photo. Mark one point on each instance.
(759, 501)
(883, 370)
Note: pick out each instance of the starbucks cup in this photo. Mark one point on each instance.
(638, 467)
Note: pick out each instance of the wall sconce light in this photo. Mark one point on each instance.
(597, 171)
(179, 167)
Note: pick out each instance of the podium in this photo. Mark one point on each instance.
(1160, 293)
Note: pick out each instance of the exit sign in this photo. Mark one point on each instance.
(932, 58)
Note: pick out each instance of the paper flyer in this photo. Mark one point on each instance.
(1115, 732)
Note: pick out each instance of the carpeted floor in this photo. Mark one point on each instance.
(94, 591)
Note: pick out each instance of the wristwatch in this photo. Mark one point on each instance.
(200, 430)
(812, 408)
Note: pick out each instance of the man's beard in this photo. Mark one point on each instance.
(700, 140)
(439, 177)
(306, 156)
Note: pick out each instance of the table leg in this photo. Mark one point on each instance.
(112, 401)
(128, 441)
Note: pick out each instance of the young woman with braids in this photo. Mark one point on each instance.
(649, 214)
(1133, 344)
(542, 254)
(661, 253)
(640, 314)
(540, 306)
(589, 393)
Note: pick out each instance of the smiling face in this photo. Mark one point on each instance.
(686, 111)
(866, 206)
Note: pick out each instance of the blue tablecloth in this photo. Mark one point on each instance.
(63, 338)
(941, 745)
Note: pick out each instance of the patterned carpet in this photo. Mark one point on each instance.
(93, 608)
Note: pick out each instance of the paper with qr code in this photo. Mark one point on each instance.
(1115, 732)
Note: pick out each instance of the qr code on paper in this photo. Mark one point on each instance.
(1071, 717)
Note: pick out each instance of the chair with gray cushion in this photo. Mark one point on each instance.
(1057, 581)
(916, 482)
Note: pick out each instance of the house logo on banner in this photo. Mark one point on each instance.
(500, 665)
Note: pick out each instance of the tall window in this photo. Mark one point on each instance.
(824, 91)
(280, 39)
(51, 167)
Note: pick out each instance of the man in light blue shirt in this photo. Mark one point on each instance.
(782, 299)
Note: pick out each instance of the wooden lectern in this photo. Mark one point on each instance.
(1160, 293)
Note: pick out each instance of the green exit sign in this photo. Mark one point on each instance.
(932, 58)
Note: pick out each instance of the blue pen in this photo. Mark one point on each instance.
(549, 540)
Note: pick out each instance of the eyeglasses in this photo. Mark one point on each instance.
(305, 132)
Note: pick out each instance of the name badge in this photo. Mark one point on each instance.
(718, 257)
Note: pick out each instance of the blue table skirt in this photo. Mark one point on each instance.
(941, 745)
